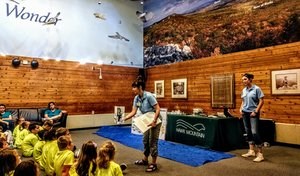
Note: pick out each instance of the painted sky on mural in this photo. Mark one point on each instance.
(74, 30)
(160, 9)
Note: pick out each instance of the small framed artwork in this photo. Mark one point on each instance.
(159, 89)
(179, 88)
(285, 82)
(119, 114)
(222, 91)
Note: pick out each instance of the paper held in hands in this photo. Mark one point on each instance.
(142, 122)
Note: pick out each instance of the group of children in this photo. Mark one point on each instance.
(53, 152)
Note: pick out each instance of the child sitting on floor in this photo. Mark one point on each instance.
(87, 160)
(30, 140)
(48, 152)
(23, 132)
(105, 164)
(38, 147)
(18, 128)
(64, 159)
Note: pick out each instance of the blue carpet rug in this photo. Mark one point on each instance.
(189, 155)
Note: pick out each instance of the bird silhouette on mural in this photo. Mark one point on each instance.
(141, 16)
(100, 16)
(118, 36)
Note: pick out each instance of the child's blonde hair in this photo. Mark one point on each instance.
(106, 154)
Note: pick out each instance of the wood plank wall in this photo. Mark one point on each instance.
(74, 87)
(260, 62)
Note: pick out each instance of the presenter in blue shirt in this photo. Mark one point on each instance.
(52, 113)
(252, 102)
(146, 102)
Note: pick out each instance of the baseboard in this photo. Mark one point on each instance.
(88, 128)
(287, 145)
(91, 121)
(287, 133)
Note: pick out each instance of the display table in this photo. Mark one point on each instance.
(216, 133)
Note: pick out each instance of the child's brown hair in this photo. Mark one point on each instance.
(63, 142)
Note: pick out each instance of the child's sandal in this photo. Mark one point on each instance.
(151, 168)
(141, 162)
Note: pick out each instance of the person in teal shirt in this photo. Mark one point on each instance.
(146, 102)
(52, 113)
(252, 102)
(6, 119)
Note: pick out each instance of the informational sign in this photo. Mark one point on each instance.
(119, 114)
(163, 128)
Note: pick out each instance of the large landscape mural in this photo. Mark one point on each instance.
(179, 30)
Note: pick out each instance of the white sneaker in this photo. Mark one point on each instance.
(259, 157)
(250, 153)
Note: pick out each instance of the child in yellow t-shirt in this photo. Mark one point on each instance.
(86, 161)
(30, 140)
(24, 132)
(48, 152)
(64, 159)
(38, 147)
(105, 164)
(17, 129)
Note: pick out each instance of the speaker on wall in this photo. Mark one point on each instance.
(34, 64)
(16, 62)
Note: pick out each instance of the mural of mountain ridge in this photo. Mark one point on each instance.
(220, 28)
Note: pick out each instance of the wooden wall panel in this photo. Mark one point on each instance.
(260, 62)
(76, 88)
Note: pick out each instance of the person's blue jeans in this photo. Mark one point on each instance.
(9, 127)
(251, 125)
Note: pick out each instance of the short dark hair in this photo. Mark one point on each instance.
(50, 103)
(248, 75)
(32, 126)
(28, 167)
(138, 84)
(50, 135)
(41, 134)
(3, 105)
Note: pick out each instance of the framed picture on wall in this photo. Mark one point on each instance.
(222, 91)
(159, 89)
(179, 88)
(285, 82)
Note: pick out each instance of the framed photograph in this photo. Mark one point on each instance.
(179, 88)
(159, 89)
(119, 113)
(285, 82)
(222, 91)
